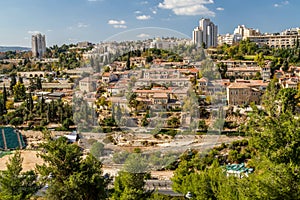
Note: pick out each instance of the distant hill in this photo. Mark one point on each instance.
(11, 48)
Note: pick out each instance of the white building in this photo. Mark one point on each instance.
(229, 39)
(291, 31)
(38, 43)
(206, 34)
(163, 44)
(246, 32)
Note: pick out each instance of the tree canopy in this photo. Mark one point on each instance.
(15, 184)
(68, 174)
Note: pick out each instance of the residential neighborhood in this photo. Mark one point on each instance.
(153, 118)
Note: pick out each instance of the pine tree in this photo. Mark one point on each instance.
(17, 185)
(69, 175)
(129, 184)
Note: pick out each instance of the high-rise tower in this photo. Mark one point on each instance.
(206, 34)
(38, 43)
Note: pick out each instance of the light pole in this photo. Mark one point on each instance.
(189, 195)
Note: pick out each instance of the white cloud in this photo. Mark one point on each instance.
(220, 9)
(283, 3)
(143, 17)
(119, 26)
(154, 10)
(188, 7)
(82, 25)
(113, 22)
(143, 35)
(49, 30)
(33, 32)
(144, 2)
(117, 23)
(73, 39)
(137, 12)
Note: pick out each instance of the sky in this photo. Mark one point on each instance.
(72, 21)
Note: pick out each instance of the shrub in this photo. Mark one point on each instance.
(97, 149)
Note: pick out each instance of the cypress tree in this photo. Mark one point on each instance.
(38, 83)
(4, 99)
(20, 79)
(13, 81)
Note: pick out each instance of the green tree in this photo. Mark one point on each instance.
(39, 83)
(288, 99)
(30, 102)
(4, 96)
(130, 183)
(13, 81)
(97, 149)
(270, 181)
(67, 123)
(16, 121)
(202, 125)
(173, 122)
(269, 98)
(222, 68)
(19, 92)
(20, 80)
(260, 59)
(2, 109)
(17, 185)
(131, 99)
(68, 174)
(128, 62)
(4, 93)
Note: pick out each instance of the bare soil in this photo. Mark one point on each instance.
(29, 162)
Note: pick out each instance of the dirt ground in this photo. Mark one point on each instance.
(29, 162)
(180, 143)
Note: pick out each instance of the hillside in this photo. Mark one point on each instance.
(13, 48)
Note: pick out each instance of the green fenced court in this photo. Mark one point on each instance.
(10, 139)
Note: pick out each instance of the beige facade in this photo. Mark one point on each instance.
(243, 72)
(238, 63)
(32, 74)
(87, 85)
(275, 41)
(244, 92)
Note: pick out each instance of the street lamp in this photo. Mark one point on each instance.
(189, 195)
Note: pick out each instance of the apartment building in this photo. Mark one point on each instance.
(206, 33)
(38, 43)
(246, 32)
(243, 92)
(275, 41)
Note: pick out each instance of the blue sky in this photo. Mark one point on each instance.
(70, 21)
